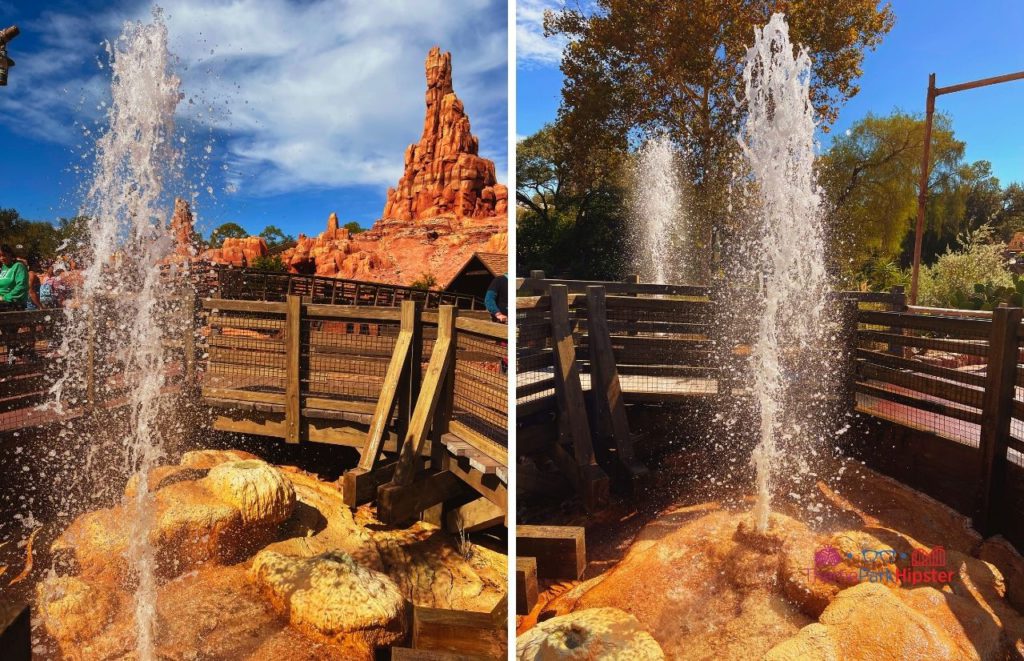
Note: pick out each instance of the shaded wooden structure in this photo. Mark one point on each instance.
(936, 396)
(476, 275)
(419, 393)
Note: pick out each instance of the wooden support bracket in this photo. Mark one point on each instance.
(609, 404)
(584, 472)
(442, 361)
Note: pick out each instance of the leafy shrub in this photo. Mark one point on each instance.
(970, 276)
(425, 282)
(268, 263)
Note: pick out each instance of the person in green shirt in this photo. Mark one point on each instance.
(13, 281)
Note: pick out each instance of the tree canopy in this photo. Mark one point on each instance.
(274, 236)
(226, 231)
(676, 67)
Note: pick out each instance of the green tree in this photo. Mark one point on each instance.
(274, 236)
(569, 223)
(633, 67)
(425, 281)
(28, 237)
(870, 178)
(268, 263)
(226, 231)
(353, 227)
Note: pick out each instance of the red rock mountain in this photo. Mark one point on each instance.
(443, 172)
(446, 206)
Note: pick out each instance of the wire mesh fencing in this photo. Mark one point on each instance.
(480, 399)
(923, 371)
(347, 359)
(660, 345)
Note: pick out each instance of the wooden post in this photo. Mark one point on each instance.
(293, 351)
(996, 412)
(15, 631)
(848, 311)
(189, 341)
(560, 551)
(537, 275)
(604, 384)
(591, 480)
(898, 304)
(526, 584)
(430, 396)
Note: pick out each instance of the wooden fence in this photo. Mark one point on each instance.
(225, 282)
(421, 394)
(30, 364)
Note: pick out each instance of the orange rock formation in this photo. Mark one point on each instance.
(443, 172)
(446, 206)
(237, 252)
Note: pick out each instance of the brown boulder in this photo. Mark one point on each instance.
(595, 633)
(332, 596)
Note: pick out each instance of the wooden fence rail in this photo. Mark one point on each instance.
(586, 348)
(224, 282)
(414, 391)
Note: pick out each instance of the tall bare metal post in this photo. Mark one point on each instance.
(922, 194)
(922, 187)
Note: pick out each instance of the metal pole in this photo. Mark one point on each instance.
(922, 190)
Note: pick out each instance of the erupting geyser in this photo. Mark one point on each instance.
(127, 239)
(664, 253)
(778, 142)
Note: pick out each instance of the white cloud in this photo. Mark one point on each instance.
(320, 93)
(532, 47)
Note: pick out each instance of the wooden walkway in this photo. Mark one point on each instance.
(420, 394)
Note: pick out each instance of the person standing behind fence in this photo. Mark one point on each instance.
(13, 280)
(34, 283)
(53, 290)
(496, 300)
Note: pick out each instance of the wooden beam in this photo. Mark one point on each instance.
(293, 355)
(610, 407)
(430, 396)
(526, 584)
(591, 480)
(398, 369)
(488, 486)
(461, 632)
(997, 411)
(397, 503)
(479, 514)
(560, 551)
(360, 486)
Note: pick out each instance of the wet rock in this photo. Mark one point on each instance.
(999, 552)
(594, 633)
(872, 621)
(94, 545)
(206, 459)
(162, 476)
(74, 612)
(332, 596)
(260, 492)
(430, 570)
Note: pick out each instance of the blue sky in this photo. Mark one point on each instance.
(306, 106)
(958, 40)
